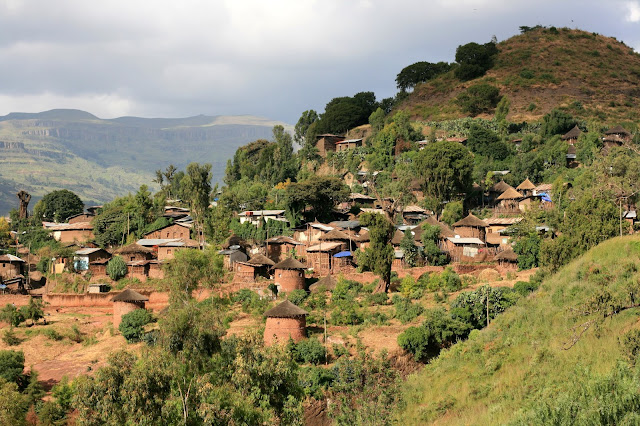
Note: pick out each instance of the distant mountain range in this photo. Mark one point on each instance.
(100, 159)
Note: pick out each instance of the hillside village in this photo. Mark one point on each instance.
(388, 240)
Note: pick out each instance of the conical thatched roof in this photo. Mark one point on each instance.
(285, 310)
(363, 237)
(334, 235)
(260, 259)
(510, 194)
(130, 296)
(526, 185)
(290, 263)
(500, 187)
(572, 134)
(397, 237)
(133, 248)
(234, 240)
(617, 130)
(445, 231)
(327, 282)
(508, 255)
(471, 221)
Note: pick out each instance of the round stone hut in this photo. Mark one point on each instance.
(125, 302)
(289, 275)
(285, 321)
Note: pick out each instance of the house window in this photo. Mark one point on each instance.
(133, 258)
(169, 251)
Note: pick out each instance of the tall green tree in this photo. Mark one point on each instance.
(445, 169)
(308, 149)
(321, 193)
(197, 189)
(419, 72)
(58, 205)
(378, 257)
(474, 60)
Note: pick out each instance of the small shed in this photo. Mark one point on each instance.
(134, 253)
(507, 259)
(10, 266)
(526, 187)
(257, 266)
(289, 275)
(285, 321)
(125, 302)
(509, 200)
(85, 256)
(572, 135)
(281, 247)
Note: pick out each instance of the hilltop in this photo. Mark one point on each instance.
(100, 159)
(523, 368)
(590, 75)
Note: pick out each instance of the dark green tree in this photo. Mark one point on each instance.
(132, 325)
(378, 257)
(321, 193)
(556, 122)
(445, 169)
(58, 206)
(474, 60)
(197, 191)
(419, 72)
(487, 143)
(479, 98)
(116, 268)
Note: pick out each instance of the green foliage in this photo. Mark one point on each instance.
(525, 287)
(13, 404)
(378, 257)
(321, 193)
(445, 169)
(305, 135)
(57, 206)
(132, 325)
(630, 346)
(191, 269)
(344, 113)
(33, 311)
(420, 72)
(116, 268)
(250, 301)
(309, 351)
(438, 331)
(528, 250)
(376, 120)
(406, 311)
(365, 390)
(588, 220)
(447, 280)
(12, 315)
(502, 109)
(11, 366)
(474, 60)
(408, 246)
(385, 142)
(10, 338)
(471, 306)
(452, 212)
(556, 122)
(297, 297)
(487, 143)
(479, 98)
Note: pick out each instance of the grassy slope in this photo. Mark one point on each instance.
(505, 370)
(571, 66)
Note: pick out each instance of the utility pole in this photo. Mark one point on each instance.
(488, 305)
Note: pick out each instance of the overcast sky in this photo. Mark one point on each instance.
(269, 58)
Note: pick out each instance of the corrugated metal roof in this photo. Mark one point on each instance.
(323, 247)
(262, 213)
(86, 251)
(461, 240)
(10, 258)
(150, 242)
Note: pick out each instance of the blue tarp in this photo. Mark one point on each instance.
(545, 197)
(2, 286)
(343, 254)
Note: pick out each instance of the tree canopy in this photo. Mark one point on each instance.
(420, 72)
(57, 206)
(474, 60)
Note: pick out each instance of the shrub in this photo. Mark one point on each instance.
(34, 310)
(12, 315)
(132, 325)
(297, 296)
(479, 98)
(412, 289)
(525, 287)
(11, 366)
(630, 343)
(406, 311)
(250, 301)
(310, 351)
(377, 298)
(10, 338)
(346, 315)
(116, 268)
(419, 341)
(52, 334)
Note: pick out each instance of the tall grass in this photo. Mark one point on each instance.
(519, 370)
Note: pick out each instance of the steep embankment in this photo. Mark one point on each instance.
(101, 159)
(593, 76)
(523, 369)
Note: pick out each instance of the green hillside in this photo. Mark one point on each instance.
(101, 159)
(590, 75)
(522, 369)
